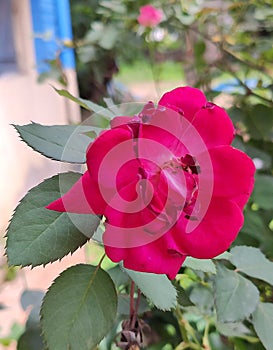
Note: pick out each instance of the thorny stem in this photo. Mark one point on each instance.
(206, 343)
(132, 306)
(183, 346)
(185, 328)
(181, 324)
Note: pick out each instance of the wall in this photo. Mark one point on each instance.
(22, 99)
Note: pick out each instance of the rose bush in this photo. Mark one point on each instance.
(168, 183)
(149, 16)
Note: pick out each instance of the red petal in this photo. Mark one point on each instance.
(216, 231)
(214, 126)
(233, 172)
(186, 99)
(107, 154)
(156, 257)
(159, 142)
(83, 198)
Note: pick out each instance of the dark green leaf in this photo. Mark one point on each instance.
(66, 143)
(253, 225)
(263, 323)
(157, 288)
(124, 304)
(78, 309)
(236, 297)
(260, 122)
(31, 339)
(183, 298)
(263, 191)
(37, 235)
(261, 159)
(252, 262)
(32, 299)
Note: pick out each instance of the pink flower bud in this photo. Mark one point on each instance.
(149, 16)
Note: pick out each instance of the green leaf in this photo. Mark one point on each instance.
(253, 225)
(124, 304)
(119, 277)
(202, 297)
(236, 329)
(223, 256)
(31, 339)
(252, 262)
(78, 309)
(66, 143)
(109, 37)
(32, 299)
(236, 297)
(263, 324)
(182, 297)
(157, 288)
(205, 265)
(260, 122)
(37, 235)
(263, 191)
(90, 106)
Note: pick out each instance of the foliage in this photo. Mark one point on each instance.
(220, 304)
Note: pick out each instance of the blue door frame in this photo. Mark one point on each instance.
(51, 22)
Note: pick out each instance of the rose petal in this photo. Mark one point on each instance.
(156, 257)
(83, 198)
(214, 126)
(233, 172)
(216, 231)
(185, 99)
(164, 144)
(105, 143)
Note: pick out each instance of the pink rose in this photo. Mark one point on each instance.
(167, 181)
(149, 16)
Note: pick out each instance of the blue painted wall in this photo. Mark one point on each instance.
(51, 23)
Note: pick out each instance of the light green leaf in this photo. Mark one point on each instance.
(236, 297)
(37, 235)
(109, 37)
(157, 288)
(66, 143)
(119, 277)
(90, 106)
(232, 329)
(78, 309)
(202, 297)
(224, 256)
(252, 262)
(205, 265)
(263, 324)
